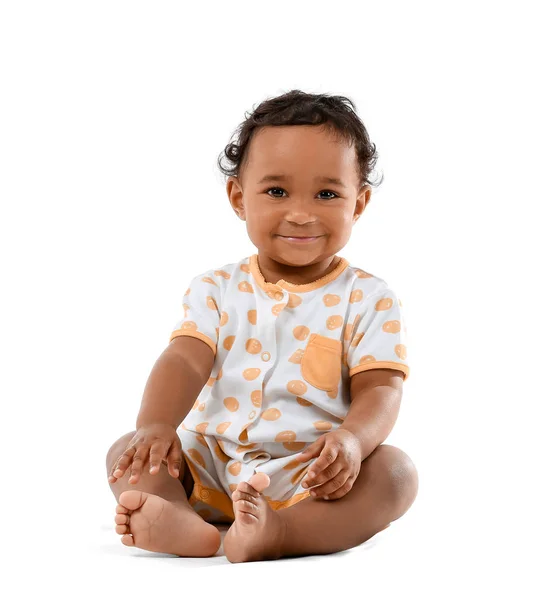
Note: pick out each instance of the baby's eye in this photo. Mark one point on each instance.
(274, 188)
(322, 192)
(328, 192)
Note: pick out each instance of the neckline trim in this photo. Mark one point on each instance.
(295, 287)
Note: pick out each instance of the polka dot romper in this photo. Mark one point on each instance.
(284, 355)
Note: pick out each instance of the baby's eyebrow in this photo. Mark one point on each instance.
(334, 180)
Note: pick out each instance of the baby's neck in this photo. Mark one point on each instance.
(273, 271)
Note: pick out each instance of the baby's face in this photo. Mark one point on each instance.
(301, 202)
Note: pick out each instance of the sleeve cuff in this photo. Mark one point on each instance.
(195, 334)
(381, 365)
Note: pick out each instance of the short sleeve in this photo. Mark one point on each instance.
(378, 337)
(202, 314)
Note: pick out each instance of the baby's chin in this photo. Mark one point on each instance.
(292, 254)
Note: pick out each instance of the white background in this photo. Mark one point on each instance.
(112, 117)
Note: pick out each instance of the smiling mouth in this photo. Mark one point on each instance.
(299, 239)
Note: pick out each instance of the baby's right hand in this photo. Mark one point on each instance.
(161, 441)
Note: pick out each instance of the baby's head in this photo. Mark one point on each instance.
(300, 168)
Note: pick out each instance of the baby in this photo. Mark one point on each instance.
(271, 403)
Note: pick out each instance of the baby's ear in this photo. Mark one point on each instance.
(238, 207)
(234, 193)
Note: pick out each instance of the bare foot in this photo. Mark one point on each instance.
(258, 531)
(153, 523)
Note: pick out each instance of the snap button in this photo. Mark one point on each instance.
(265, 356)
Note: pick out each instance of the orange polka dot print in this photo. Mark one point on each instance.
(261, 398)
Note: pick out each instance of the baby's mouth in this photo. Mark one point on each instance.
(299, 239)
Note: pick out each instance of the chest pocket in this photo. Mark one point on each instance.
(321, 363)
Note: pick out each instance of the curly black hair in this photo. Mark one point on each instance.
(295, 107)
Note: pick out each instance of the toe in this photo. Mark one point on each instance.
(121, 509)
(127, 540)
(239, 496)
(245, 488)
(120, 529)
(121, 519)
(256, 484)
(246, 517)
(246, 506)
(259, 481)
(132, 499)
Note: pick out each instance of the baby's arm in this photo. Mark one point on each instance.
(376, 395)
(175, 381)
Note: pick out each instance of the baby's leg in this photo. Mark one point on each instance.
(161, 483)
(154, 514)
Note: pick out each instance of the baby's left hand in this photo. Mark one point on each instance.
(337, 467)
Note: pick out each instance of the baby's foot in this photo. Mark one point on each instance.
(258, 531)
(153, 523)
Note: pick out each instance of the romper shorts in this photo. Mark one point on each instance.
(216, 475)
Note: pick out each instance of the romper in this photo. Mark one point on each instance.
(284, 357)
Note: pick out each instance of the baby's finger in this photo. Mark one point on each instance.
(328, 456)
(312, 450)
(330, 486)
(326, 475)
(174, 459)
(122, 463)
(137, 464)
(341, 491)
(158, 450)
(311, 481)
